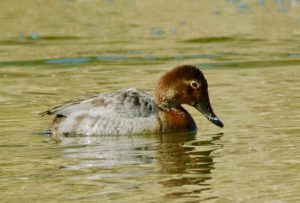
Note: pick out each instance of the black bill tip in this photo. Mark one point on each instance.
(215, 120)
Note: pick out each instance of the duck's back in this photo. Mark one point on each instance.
(121, 112)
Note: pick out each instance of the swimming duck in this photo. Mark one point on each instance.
(130, 110)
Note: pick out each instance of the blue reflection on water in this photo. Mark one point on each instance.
(242, 7)
(179, 57)
(111, 58)
(34, 36)
(280, 6)
(126, 58)
(20, 36)
(68, 60)
(156, 31)
(261, 2)
(295, 55)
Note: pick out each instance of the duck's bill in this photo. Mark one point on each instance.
(205, 108)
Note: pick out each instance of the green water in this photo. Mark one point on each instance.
(55, 51)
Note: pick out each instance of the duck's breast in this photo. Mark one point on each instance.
(177, 120)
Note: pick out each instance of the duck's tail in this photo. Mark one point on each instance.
(46, 133)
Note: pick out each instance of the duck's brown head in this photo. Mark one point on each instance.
(185, 85)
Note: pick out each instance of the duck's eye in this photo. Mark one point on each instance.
(195, 85)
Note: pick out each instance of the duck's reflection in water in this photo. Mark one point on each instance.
(180, 163)
(188, 162)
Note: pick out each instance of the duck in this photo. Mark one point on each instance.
(132, 111)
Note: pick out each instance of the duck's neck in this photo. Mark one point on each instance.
(163, 98)
(173, 116)
(168, 106)
(176, 120)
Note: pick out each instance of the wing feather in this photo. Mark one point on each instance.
(127, 103)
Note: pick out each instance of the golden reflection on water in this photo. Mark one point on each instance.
(248, 51)
(260, 142)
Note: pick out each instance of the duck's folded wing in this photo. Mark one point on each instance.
(126, 103)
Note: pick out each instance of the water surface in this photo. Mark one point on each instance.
(249, 52)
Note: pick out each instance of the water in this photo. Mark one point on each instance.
(249, 51)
